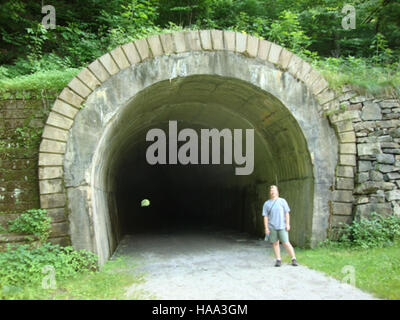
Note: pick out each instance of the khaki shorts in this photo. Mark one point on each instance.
(281, 235)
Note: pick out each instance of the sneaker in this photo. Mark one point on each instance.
(294, 262)
(278, 263)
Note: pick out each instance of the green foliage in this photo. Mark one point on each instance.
(50, 80)
(374, 231)
(362, 73)
(23, 265)
(32, 221)
(288, 32)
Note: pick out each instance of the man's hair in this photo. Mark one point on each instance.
(271, 186)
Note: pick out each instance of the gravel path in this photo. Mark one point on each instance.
(224, 265)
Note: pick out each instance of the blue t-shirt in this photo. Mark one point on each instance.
(276, 215)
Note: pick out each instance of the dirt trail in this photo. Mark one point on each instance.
(224, 265)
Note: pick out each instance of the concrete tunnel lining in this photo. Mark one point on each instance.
(200, 90)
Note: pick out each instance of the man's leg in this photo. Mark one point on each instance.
(289, 249)
(277, 250)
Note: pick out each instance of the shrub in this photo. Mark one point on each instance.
(32, 221)
(372, 232)
(23, 265)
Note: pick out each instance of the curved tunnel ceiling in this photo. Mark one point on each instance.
(200, 102)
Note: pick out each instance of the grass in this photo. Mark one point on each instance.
(115, 281)
(364, 76)
(50, 80)
(377, 270)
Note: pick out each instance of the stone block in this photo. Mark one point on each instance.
(385, 168)
(295, 65)
(88, 78)
(325, 96)
(319, 85)
(352, 115)
(59, 121)
(59, 229)
(392, 123)
(205, 39)
(392, 175)
(347, 137)
(344, 183)
(365, 210)
(192, 39)
(345, 171)
(347, 148)
(274, 53)
(120, 58)
(217, 40)
(77, 85)
(50, 159)
(344, 126)
(342, 209)
(52, 146)
(55, 133)
(385, 158)
(65, 109)
(180, 43)
(392, 195)
(343, 196)
(155, 45)
(54, 200)
(376, 175)
(143, 48)
(50, 172)
(263, 49)
(284, 58)
(99, 71)
(109, 64)
(51, 186)
(56, 215)
(241, 42)
(347, 160)
(362, 177)
(229, 40)
(131, 53)
(367, 149)
(252, 46)
(311, 77)
(372, 186)
(371, 111)
(339, 220)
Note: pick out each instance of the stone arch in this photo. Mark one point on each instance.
(96, 104)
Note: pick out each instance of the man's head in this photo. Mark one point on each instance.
(273, 191)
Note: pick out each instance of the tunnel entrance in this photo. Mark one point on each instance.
(106, 174)
(194, 196)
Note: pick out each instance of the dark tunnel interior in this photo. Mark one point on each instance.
(195, 196)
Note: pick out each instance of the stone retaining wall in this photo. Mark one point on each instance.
(369, 134)
(22, 118)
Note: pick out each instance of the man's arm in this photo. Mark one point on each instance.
(266, 224)
(287, 216)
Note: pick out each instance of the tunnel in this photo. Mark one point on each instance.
(273, 122)
(197, 195)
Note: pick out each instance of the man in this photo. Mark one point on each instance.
(277, 224)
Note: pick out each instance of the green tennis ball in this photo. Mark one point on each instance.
(145, 203)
